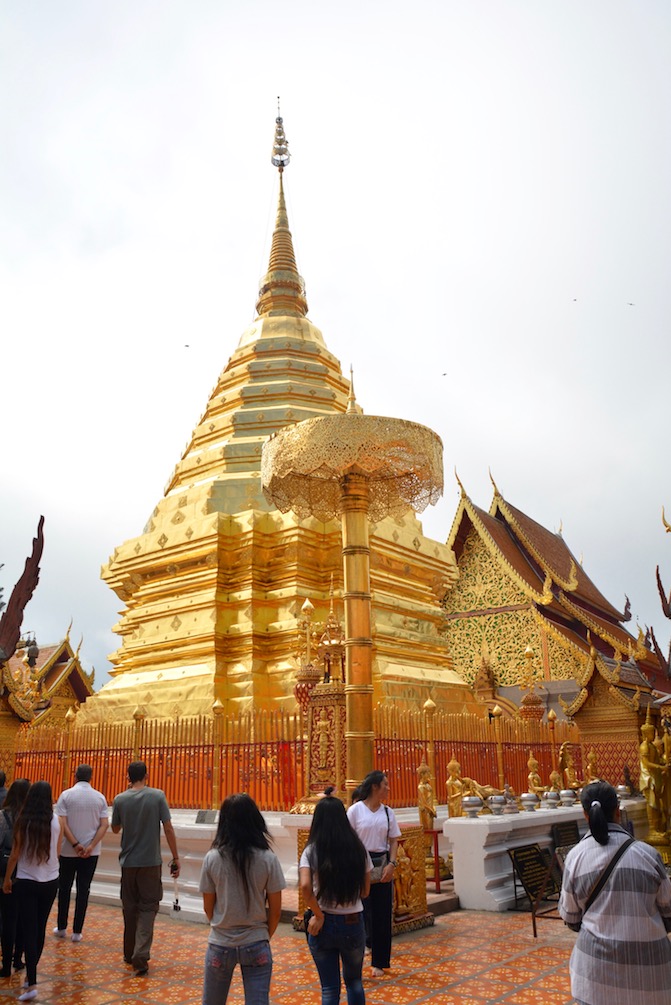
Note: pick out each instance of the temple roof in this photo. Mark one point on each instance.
(543, 567)
(31, 691)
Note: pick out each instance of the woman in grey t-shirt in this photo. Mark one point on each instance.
(241, 882)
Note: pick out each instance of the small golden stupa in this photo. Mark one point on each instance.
(213, 586)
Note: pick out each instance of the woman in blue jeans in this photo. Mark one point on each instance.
(241, 881)
(334, 875)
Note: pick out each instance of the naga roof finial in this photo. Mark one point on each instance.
(280, 156)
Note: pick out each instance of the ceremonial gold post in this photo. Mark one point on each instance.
(218, 711)
(429, 710)
(497, 712)
(139, 716)
(70, 716)
(552, 718)
(356, 467)
(359, 735)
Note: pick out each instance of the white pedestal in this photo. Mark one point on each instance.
(483, 872)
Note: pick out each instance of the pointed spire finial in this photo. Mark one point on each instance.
(280, 156)
(496, 488)
(353, 407)
(282, 290)
(461, 487)
(351, 397)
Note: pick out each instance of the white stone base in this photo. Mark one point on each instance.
(194, 840)
(483, 874)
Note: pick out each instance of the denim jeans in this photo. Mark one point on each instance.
(256, 963)
(342, 937)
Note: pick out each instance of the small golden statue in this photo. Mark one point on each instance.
(426, 804)
(458, 787)
(591, 771)
(653, 781)
(427, 814)
(534, 780)
(567, 767)
(402, 882)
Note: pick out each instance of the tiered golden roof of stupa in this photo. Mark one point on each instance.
(213, 586)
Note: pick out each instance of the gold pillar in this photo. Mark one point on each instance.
(217, 711)
(70, 716)
(552, 718)
(429, 710)
(497, 712)
(139, 715)
(359, 733)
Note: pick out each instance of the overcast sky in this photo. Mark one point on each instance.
(480, 202)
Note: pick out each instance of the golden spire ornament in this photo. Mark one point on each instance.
(280, 157)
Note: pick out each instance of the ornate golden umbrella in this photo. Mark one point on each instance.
(356, 467)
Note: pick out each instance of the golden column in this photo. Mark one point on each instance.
(217, 713)
(359, 468)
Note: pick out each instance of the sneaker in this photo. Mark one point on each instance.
(28, 996)
(60, 932)
(77, 936)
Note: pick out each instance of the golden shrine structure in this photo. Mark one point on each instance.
(213, 586)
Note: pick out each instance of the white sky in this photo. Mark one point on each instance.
(478, 193)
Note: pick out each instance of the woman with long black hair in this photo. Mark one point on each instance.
(35, 850)
(617, 895)
(241, 881)
(11, 938)
(376, 825)
(334, 873)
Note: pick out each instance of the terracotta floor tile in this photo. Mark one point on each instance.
(466, 958)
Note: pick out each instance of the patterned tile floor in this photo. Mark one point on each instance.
(467, 958)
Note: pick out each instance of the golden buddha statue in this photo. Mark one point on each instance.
(567, 767)
(426, 804)
(534, 780)
(653, 782)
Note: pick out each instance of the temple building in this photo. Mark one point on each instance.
(521, 593)
(39, 685)
(213, 586)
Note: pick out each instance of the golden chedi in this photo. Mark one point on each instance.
(213, 586)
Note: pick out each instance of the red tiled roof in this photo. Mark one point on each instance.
(556, 557)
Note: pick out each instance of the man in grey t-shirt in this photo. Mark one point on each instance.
(138, 813)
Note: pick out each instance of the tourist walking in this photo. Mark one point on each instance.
(3, 788)
(83, 812)
(11, 939)
(139, 813)
(376, 825)
(241, 881)
(35, 851)
(622, 955)
(334, 873)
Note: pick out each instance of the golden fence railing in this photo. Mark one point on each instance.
(401, 745)
(263, 753)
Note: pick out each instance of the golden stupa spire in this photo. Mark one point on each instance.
(282, 289)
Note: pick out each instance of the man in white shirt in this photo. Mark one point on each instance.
(83, 813)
